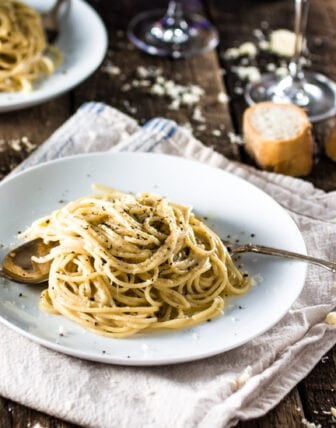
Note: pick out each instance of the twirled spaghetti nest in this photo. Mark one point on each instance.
(124, 264)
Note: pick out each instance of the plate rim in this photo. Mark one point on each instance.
(150, 361)
(50, 95)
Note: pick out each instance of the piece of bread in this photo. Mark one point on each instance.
(279, 138)
(330, 143)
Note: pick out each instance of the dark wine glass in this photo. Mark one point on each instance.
(176, 32)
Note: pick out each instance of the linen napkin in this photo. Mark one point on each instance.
(216, 392)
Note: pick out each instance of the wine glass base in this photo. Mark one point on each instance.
(197, 37)
(318, 97)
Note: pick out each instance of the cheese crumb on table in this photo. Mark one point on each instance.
(250, 73)
(331, 318)
(282, 42)
(235, 138)
(246, 48)
(222, 97)
(180, 95)
(111, 69)
(310, 424)
(198, 115)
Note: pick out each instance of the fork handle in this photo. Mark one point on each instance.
(262, 249)
(56, 7)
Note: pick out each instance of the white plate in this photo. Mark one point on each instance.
(233, 207)
(83, 42)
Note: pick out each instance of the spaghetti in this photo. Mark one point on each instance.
(25, 55)
(124, 264)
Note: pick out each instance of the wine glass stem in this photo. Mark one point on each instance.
(301, 13)
(175, 10)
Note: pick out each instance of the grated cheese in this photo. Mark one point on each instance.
(235, 138)
(198, 115)
(246, 48)
(331, 318)
(180, 95)
(282, 42)
(222, 97)
(111, 69)
(243, 377)
(250, 73)
(310, 424)
(62, 331)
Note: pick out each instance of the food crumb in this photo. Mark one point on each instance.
(244, 376)
(216, 132)
(331, 318)
(37, 425)
(324, 359)
(234, 138)
(111, 69)
(310, 424)
(222, 98)
(62, 331)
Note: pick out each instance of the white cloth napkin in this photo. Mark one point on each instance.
(217, 392)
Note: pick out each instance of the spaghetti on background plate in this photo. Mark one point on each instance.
(25, 55)
(124, 264)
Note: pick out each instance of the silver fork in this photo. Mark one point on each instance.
(50, 20)
(236, 248)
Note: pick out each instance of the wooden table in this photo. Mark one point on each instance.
(235, 20)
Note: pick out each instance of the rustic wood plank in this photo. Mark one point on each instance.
(318, 391)
(21, 131)
(14, 415)
(5, 419)
(138, 101)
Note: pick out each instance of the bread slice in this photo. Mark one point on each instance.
(279, 138)
(330, 143)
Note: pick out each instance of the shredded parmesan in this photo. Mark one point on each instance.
(250, 73)
(282, 42)
(331, 318)
(246, 48)
(244, 376)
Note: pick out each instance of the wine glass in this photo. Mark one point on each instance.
(312, 91)
(176, 33)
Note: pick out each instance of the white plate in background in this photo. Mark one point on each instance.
(232, 207)
(83, 43)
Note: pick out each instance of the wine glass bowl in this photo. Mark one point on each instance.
(312, 91)
(316, 93)
(175, 32)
